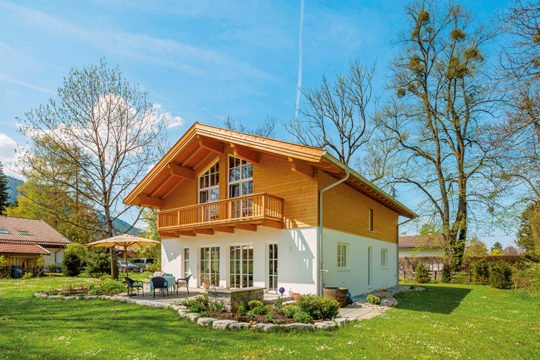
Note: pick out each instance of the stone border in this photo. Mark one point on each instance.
(207, 321)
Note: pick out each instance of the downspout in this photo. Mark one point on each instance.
(397, 250)
(321, 227)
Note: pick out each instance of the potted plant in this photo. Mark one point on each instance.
(205, 281)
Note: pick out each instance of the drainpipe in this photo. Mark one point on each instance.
(321, 227)
(397, 250)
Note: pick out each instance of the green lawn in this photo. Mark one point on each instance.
(446, 321)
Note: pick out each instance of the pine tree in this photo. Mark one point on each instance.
(4, 196)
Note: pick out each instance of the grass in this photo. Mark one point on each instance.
(445, 321)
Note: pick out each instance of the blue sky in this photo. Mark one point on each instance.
(200, 60)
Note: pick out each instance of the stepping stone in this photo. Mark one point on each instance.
(239, 326)
(222, 324)
(265, 327)
(298, 326)
(193, 316)
(341, 321)
(325, 325)
(205, 321)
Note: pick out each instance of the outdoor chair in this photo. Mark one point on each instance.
(183, 280)
(160, 283)
(134, 284)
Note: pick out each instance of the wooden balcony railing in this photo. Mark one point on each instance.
(241, 209)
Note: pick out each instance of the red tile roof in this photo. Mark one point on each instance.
(7, 248)
(29, 231)
(406, 242)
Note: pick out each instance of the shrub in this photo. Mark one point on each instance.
(258, 310)
(461, 277)
(500, 275)
(480, 272)
(422, 274)
(216, 306)
(270, 317)
(527, 277)
(98, 262)
(329, 308)
(242, 309)
(255, 303)
(290, 310)
(311, 305)
(3, 261)
(373, 299)
(107, 287)
(197, 307)
(446, 273)
(302, 317)
(28, 275)
(71, 266)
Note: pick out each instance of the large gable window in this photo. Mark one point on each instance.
(209, 184)
(240, 184)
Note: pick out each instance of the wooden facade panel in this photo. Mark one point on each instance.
(347, 210)
(184, 194)
(299, 192)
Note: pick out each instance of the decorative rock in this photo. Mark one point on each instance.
(341, 321)
(40, 295)
(239, 326)
(265, 327)
(205, 321)
(54, 296)
(193, 316)
(222, 324)
(298, 326)
(182, 313)
(90, 297)
(325, 325)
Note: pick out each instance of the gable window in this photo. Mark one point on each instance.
(240, 184)
(209, 184)
(342, 256)
(384, 258)
(370, 219)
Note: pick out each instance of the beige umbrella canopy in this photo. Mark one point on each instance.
(125, 241)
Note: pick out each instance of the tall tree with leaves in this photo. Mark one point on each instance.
(4, 195)
(439, 117)
(102, 127)
(529, 230)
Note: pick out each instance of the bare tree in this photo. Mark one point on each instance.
(337, 116)
(440, 118)
(265, 129)
(103, 127)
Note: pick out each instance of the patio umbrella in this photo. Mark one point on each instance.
(125, 241)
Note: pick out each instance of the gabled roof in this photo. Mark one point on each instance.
(425, 242)
(9, 248)
(195, 148)
(29, 231)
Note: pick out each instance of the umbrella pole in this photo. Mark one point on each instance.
(125, 261)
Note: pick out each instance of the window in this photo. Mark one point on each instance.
(342, 253)
(241, 257)
(210, 266)
(369, 256)
(370, 220)
(25, 232)
(209, 185)
(384, 258)
(240, 184)
(4, 231)
(272, 267)
(186, 262)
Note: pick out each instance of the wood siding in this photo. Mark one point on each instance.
(347, 210)
(270, 175)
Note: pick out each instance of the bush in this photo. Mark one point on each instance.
(330, 308)
(302, 317)
(290, 310)
(258, 310)
(28, 275)
(242, 309)
(461, 277)
(422, 274)
(311, 305)
(373, 299)
(255, 303)
(500, 275)
(480, 272)
(197, 307)
(446, 273)
(528, 278)
(71, 266)
(216, 306)
(107, 287)
(98, 262)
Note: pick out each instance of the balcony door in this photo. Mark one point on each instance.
(240, 184)
(209, 192)
(209, 266)
(241, 257)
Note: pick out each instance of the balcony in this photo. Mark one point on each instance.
(244, 212)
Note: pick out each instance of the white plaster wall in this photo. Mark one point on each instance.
(297, 267)
(420, 253)
(50, 258)
(355, 278)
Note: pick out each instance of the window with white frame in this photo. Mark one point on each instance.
(240, 184)
(342, 256)
(384, 258)
(186, 262)
(209, 184)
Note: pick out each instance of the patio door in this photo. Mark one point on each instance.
(241, 258)
(272, 267)
(209, 266)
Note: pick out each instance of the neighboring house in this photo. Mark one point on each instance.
(23, 241)
(420, 246)
(239, 210)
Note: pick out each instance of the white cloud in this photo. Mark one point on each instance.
(8, 155)
(169, 120)
(25, 84)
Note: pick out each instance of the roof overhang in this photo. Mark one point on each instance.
(203, 143)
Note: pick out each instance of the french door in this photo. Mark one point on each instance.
(272, 267)
(209, 266)
(241, 257)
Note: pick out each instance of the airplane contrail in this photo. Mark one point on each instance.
(300, 53)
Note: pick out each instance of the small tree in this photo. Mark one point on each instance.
(4, 195)
(475, 248)
(71, 266)
(500, 275)
(422, 274)
(496, 249)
